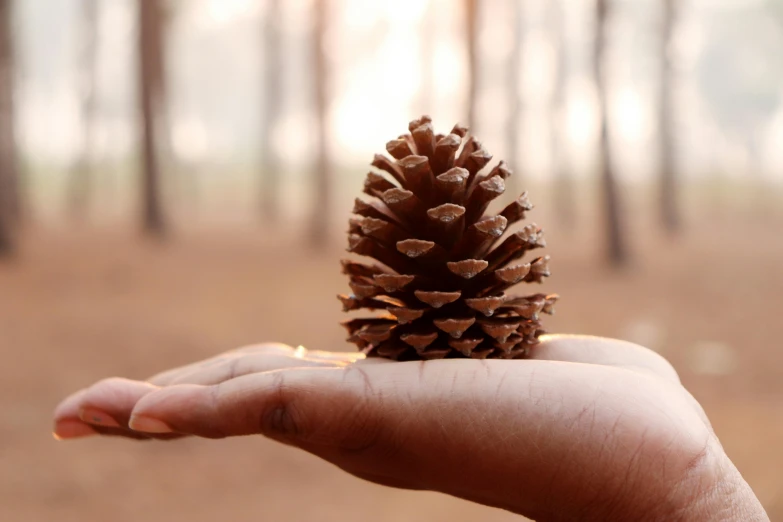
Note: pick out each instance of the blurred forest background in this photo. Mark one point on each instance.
(176, 176)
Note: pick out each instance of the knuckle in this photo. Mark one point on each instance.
(358, 426)
(699, 466)
(281, 417)
(219, 429)
(233, 367)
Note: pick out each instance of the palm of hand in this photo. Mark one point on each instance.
(589, 429)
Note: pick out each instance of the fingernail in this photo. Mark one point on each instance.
(149, 425)
(98, 417)
(71, 429)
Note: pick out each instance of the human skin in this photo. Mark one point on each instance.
(587, 429)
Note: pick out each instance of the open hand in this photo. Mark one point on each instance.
(589, 429)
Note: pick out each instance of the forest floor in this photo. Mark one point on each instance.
(79, 306)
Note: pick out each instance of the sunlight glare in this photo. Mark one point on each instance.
(582, 112)
(631, 115)
(538, 62)
(404, 11)
(189, 139)
(223, 11)
(365, 111)
(358, 14)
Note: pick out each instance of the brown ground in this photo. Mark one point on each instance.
(79, 307)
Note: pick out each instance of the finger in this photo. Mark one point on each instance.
(67, 424)
(166, 377)
(70, 423)
(244, 364)
(603, 351)
(250, 359)
(68, 409)
(103, 408)
(109, 402)
(487, 431)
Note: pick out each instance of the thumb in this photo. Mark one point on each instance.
(538, 437)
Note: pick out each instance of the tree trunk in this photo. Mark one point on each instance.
(565, 200)
(471, 38)
(82, 173)
(669, 208)
(151, 78)
(616, 252)
(514, 102)
(322, 176)
(273, 90)
(9, 197)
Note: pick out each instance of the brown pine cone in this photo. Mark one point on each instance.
(441, 285)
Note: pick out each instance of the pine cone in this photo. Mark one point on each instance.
(442, 284)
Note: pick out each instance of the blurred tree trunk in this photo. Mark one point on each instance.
(273, 90)
(669, 208)
(471, 32)
(82, 172)
(9, 189)
(514, 102)
(322, 176)
(150, 93)
(565, 199)
(616, 248)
